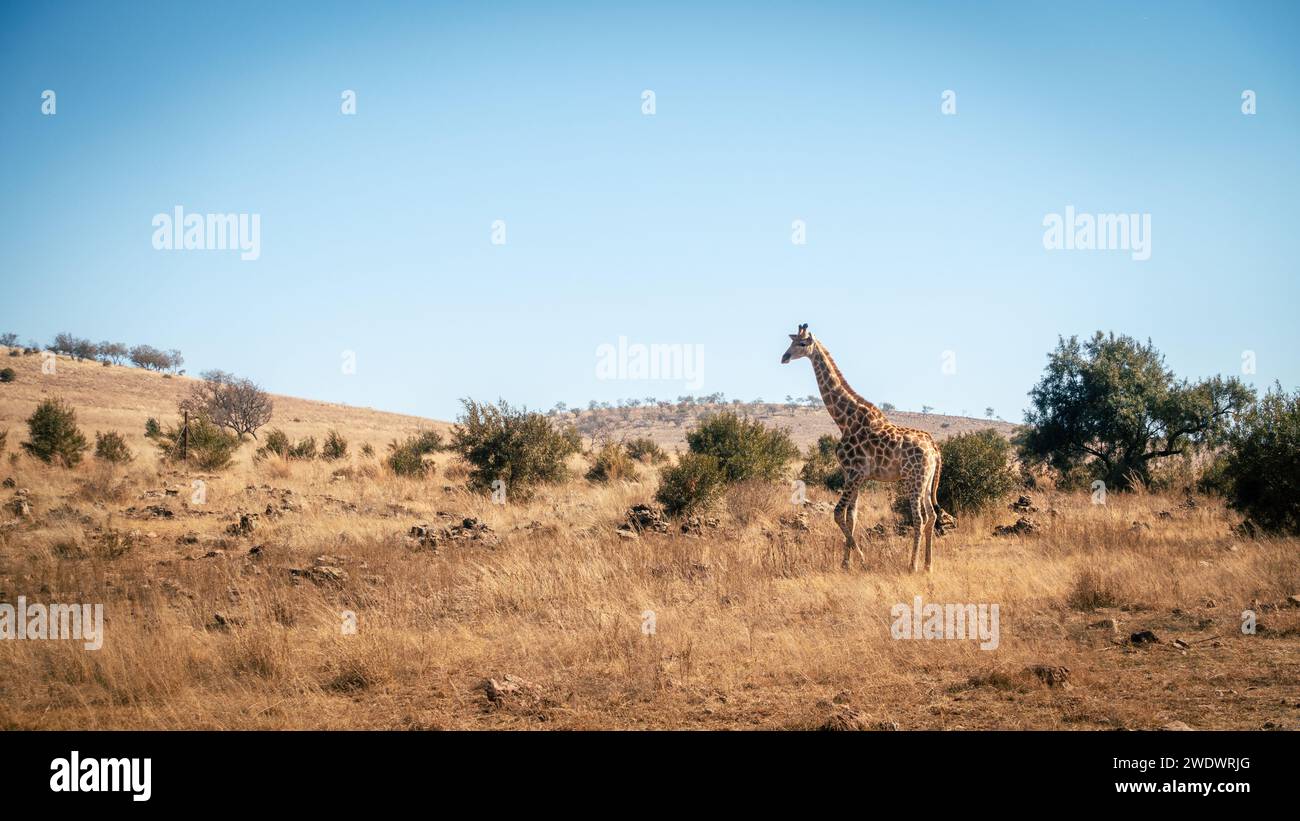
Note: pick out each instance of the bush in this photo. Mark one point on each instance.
(406, 458)
(694, 483)
(646, 450)
(368, 450)
(744, 448)
(823, 466)
(335, 447)
(209, 447)
(7, 374)
(111, 447)
(152, 430)
(612, 462)
(520, 447)
(1260, 470)
(54, 434)
(976, 471)
(277, 442)
(304, 449)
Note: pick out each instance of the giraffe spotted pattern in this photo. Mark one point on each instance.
(873, 449)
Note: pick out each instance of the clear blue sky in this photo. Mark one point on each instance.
(925, 231)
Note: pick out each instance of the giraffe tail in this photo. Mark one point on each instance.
(934, 484)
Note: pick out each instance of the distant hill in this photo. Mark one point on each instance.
(668, 426)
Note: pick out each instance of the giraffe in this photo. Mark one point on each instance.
(873, 448)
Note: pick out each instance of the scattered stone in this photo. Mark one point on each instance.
(432, 537)
(1051, 675)
(795, 521)
(1293, 600)
(1022, 505)
(641, 518)
(1182, 645)
(1176, 726)
(21, 508)
(509, 688)
(9, 481)
(1164, 514)
(876, 532)
(1024, 526)
(1143, 637)
(221, 621)
(841, 718)
(1139, 527)
(256, 551)
(1105, 624)
(886, 726)
(247, 524)
(323, 575)
(947, 523)
(188, 538)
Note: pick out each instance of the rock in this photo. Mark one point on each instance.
(1051, 675)
(432, 537)
(1293, 600)
(1105, 624)
(644, 517)
(1164, 514)
(1024, 526)
(626, 532)
(21, 508)
(1182, 645)
(1022, 505)
(247, 524)
(1139, 527)
(1176, 726)
(9, 481)
(947, 523)
(1143, 637)
(509, 688)
(795, 521)
(188, 538)
(841, 718)
(323, 575)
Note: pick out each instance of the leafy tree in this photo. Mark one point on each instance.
(9, 340)
(1261, 466)
(230, 402)
(53, 434)
(1109, 406)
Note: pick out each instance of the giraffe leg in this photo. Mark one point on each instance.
(916, 492)
(846, 514)
(930, 496)
(851, 519)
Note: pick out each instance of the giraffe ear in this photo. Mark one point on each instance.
(794, 336)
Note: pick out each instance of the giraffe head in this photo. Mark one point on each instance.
(800, 344)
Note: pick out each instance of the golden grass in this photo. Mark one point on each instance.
(755, 623)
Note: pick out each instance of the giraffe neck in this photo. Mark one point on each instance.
(846, 407)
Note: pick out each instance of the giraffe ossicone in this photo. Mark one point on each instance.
(873, 449)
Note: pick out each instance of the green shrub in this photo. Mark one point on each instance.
(976, 471)
(277, 442)
(1260, 471)
(111, 447)
(208, 447)
(335, 447)
(406, 458)
(520, 447)
(691, 485)
(644, 449)
(54, 434)
(7, 374)
(152, 430)
(744, 448)
(611, 463)
(304, 449)
(823, 466)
